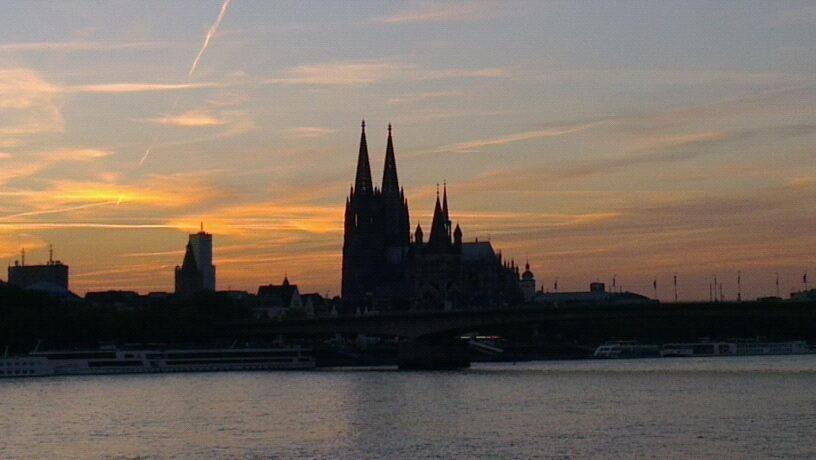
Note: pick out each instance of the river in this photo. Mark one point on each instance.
(700, 407)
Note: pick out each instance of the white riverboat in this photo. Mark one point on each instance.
(127, 361)
(626, 349)
(736, 348)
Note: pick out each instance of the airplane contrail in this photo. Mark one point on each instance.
(146, 154)
(57, 210)
(210, 33)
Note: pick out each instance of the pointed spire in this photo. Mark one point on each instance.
(457, 236)
(445, 201)
(390, 182)
(362, 183)
(440, 237)
(286, 276)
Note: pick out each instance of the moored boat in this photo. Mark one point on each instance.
(626, 349)
(127, 361)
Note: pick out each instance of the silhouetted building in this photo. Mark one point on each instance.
(803, 296)
(52, 277)
(384, 270)
(377, 233)
(447, 273)
(201, 244)
(115, 299)
(317, 305)
(189, 279)
(597, 294)
(527, 283)
(277, 299)
(196, 273)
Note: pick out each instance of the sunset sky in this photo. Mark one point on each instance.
(640, 139)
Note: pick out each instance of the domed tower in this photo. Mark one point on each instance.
(527, 283)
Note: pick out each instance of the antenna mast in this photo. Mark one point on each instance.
(739, 286)
(777, 284)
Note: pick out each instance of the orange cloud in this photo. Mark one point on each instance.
(80, 154)
(249, 219)
(28, 103)
(358, 73)
(191, 118)
(123, 88)
(309, 131)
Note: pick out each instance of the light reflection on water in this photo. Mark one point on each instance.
(732, 407)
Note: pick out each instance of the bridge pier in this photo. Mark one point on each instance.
(437, 353)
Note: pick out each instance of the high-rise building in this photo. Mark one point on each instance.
(197, 271)
(201, 244)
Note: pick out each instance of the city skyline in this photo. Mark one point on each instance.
(633, 148)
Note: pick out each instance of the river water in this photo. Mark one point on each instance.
(707, 407)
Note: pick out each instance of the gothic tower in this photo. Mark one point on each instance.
(395, 206)
(361, 241)
(377, 233)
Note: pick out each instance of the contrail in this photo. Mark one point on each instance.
(146, 154)
(57, 210)
(210, 33)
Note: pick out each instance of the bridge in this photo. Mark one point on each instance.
(429, 339)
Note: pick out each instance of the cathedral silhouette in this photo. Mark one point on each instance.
(385, 269)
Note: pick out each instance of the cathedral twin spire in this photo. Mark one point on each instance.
(396, 208)
(390, 182)
(376, 224)
(363, 182)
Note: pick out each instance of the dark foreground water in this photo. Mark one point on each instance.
(715, 407)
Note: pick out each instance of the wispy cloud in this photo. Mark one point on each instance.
(673, 77)
(249, 218)
(80, 154)
(422, 97)
(77, 46)
(120, 88)
(656, 150)
(453, 12)
(479, 145)
(191, 118)
(356, 73)
(29, 104)
(62, 225)
(33, 163)
(56, 210)
(340, 73)
(309, 131)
